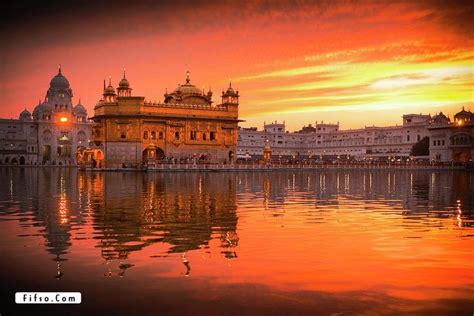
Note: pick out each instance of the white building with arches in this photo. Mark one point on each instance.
(329, 141)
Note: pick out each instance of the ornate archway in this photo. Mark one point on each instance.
(151, 152)
(46, 154)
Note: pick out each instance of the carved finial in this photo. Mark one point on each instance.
(79, 101)
(124, 73)
(230, 83)
(104, 84)
(110, 80)
(59, 68)
(187, 77)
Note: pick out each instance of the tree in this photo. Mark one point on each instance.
(421, 148)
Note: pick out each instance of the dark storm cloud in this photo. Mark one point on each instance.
(457, 15)
(27, 25)
(65, 21)
(34, 15)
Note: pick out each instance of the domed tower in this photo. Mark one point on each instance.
(188, 93)
(80, 112)
(230, 96)
(43, 111)
(209, 94)
(59, 94)
(463, 117)
(109, 92)
(124, 89)
(440, 119)
(25, 116)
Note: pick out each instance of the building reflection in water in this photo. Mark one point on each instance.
(127, 212)
(132, 211)
(422, 192)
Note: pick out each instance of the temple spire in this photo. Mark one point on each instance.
(104, 84)
(124, 74)
(59, 68)
(187, 77)
(110, 80)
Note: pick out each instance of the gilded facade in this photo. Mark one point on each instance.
(187, 125)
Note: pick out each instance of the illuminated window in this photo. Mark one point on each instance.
(63, 119)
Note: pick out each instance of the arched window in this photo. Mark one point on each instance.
(81, 136)
(47, 135)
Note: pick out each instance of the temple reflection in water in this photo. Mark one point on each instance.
(130, 211)
(127, 212)
(184, 212)
(165, 238)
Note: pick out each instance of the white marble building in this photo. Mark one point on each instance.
(328, 140)
(49, 136)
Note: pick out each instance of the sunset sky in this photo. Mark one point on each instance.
(356, 62)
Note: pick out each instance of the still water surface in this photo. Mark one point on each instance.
(334, 242)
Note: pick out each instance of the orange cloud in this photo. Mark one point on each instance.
(283, 57)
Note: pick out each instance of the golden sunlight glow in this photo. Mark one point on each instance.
(63, 119)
